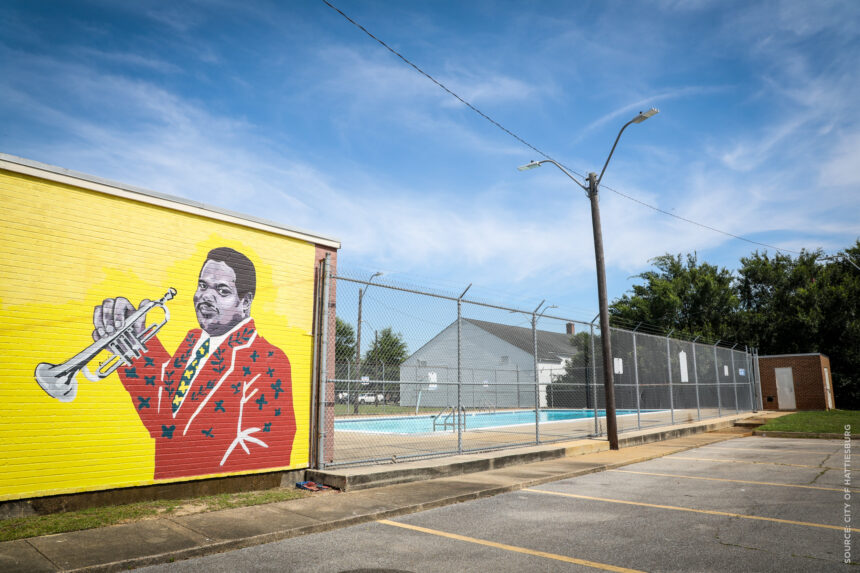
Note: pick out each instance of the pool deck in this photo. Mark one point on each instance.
(406, 458)
(408, 424)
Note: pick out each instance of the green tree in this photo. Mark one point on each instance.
(572, 388)
(805, 304)
(385, 355)
(344, 357)
(839, 332)
(344, 342)
(682, 294)
(780, 304)
(382, 363)
(779, 301)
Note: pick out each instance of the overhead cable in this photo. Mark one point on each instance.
(535, 149)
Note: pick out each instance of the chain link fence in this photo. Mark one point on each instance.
(419, 374)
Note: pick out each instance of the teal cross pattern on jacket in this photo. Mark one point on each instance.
(235, 414)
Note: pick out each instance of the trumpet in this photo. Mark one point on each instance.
(60, 380)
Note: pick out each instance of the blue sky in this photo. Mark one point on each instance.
(287, 111)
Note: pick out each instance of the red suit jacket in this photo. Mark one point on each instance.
(237, 415)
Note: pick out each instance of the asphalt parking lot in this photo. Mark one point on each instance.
(747, 504)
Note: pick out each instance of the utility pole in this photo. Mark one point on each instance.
(593, 183)
(605, 333)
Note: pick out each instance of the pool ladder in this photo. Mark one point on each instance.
(451, 417)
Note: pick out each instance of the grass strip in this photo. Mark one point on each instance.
(830, 422)
(36, 525)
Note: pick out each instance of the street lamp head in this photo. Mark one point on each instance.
(529, 165)
(544, 311)
(643, 115)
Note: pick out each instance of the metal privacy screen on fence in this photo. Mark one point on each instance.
(420, 374)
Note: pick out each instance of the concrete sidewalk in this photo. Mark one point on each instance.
(167, 539)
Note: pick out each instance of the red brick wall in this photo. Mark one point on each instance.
(809, 382)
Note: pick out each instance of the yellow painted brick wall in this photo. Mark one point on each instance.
(63, 250)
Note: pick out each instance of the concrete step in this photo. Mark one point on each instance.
(371, 476)
(738, 430)
(750, 423)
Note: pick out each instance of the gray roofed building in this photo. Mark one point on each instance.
(497, 366)
(551, 345)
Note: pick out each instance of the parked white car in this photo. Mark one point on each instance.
(370, 398)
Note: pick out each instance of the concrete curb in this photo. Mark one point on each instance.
(445, 483)
(231, 545)
(810, 435)
(353, 479)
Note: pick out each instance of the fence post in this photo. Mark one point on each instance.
(594, 379)
(669, 368)
(735, 381)
(518, 385)
(696, 379)
(537, 377)
(757, 369)
(459, 414)
(636, 379)
(750, 378)
(717, 372)
(321, 416)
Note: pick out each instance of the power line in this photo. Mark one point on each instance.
(535, 149)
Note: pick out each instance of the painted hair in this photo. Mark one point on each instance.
(246, 275)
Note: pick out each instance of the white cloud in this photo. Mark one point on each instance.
(843, 166)
(629, 111)
(129, 59)
(147, 134)
(750, 153)
(483, 88)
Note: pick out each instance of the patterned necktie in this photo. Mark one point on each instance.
(188, 375)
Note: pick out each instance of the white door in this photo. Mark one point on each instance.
(785, 389)
(828, 389)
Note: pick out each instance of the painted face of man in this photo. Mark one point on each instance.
(218, 305)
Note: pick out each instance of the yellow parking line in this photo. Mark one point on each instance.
(706, 511)
(750, 462)
(839, 489)
(787, 451)
(513, 548)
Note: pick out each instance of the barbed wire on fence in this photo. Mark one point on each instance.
(615, 321)
(421, 373)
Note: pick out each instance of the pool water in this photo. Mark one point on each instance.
(475, 420)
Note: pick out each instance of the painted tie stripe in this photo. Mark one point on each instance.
(513, 548)
(188, 375)
(678, 508)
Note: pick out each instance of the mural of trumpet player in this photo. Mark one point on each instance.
(222, 402)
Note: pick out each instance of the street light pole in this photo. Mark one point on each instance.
(842, 256)
(361, 292)
(591, 190)
(602, 298)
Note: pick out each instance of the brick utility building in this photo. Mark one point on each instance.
(796, 382)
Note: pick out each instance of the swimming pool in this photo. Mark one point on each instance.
(474, 420)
